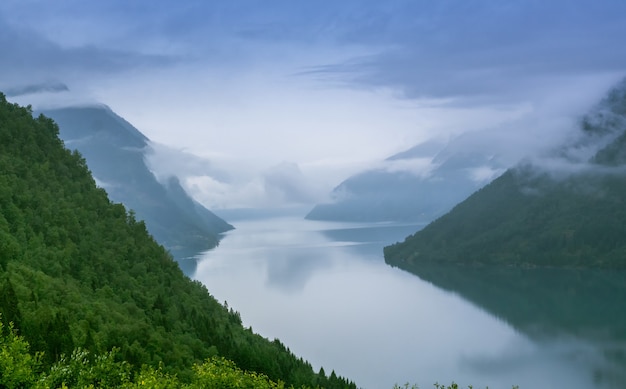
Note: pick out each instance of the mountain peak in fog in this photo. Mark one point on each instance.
(416, 185)
(115, 152)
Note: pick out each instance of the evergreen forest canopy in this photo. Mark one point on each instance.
(539, 216)
(83, 283)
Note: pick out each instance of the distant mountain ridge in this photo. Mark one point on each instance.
(115, 153)
(568, 210)
(416, 185)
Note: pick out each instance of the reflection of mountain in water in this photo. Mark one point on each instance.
(293, 258)
(368, 240)
(291, 268)
(380, 234)
(549, 305)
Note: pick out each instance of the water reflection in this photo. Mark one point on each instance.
(325, 291)
(576, 312)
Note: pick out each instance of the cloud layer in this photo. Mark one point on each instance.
(290, 98)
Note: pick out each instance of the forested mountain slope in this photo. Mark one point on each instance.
(114, 151)
(569, 210)
(80, 271)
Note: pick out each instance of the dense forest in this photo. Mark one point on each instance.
(534, 215)
(82, 281)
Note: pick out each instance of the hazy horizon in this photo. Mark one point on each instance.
(274, 104)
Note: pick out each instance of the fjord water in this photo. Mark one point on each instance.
(324, 290)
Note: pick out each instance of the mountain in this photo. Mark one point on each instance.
(81, 279)
(115, 153)
(566, 210)
(416, 185)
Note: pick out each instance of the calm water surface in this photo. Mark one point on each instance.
(324, 290)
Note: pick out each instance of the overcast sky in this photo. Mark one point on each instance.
(276, 102)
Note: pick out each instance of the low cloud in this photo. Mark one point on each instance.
(46, 87)
(484, 174)
(602, 125)
(285, 184)
(165, 162)
(221, 183)
(419, 167)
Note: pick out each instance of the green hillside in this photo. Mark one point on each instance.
(539, 216)
(80, 271)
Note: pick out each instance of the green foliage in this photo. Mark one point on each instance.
(220, 373)
(150, 377)
(84, 273)
(81, 370)
(17, 367)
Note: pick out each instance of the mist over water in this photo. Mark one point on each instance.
(325, 291)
